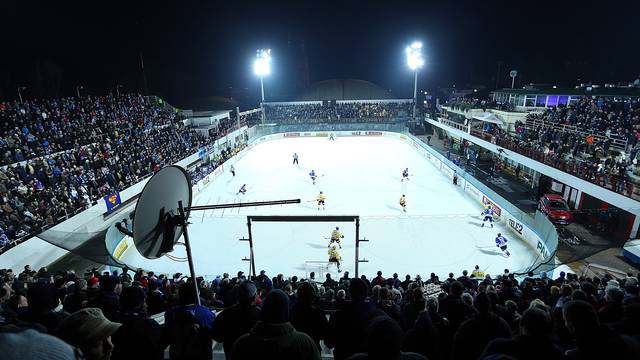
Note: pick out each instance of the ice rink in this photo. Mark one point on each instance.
(440, 232)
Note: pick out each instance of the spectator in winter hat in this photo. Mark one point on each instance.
(274, 334)
(238, 319)
(346, 332)
(139, 337)
(29, 344)
(89, 330)
(384, 341)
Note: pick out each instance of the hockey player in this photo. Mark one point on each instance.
(233, 170)
(313, 176)
(334, 257)
(405, 174)
(403, 203)
(501, 242)
(320, 199)
(295, 159)
(242, 190)
(336, 235)
(332, 136)
(488, 215)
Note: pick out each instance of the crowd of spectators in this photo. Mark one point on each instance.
(589, 157)
(207, 167)
(251, 119)
(471, 316)
(465, 104)
(353, 112)
(63, 155)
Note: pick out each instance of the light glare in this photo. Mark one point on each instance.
(262, 65)
(414, 55)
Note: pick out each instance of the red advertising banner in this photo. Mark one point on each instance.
(496, 208)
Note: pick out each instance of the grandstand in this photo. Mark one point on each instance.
(448, 308)
(420, 212)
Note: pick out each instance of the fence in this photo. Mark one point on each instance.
(536, 230)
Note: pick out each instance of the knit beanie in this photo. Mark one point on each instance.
(275, 309)
(33, 345)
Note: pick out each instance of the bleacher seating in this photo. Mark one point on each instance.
(62, 155)
(432, 317)
(351, 112)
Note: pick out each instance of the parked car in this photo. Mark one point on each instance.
(556, 209)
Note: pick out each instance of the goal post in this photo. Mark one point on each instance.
(301, 218)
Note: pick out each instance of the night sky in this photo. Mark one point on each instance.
(196, 49)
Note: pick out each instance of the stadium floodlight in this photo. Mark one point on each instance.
(262, 67)
(415, 62)
(414, 56)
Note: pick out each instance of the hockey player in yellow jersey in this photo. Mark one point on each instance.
(336, 235)
(334, 257)
(321, 200)
(403, 203)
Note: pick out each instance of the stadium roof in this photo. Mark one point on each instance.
(595, 91)
(345, 89)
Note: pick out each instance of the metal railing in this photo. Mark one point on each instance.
(576, 167)
(617, 142)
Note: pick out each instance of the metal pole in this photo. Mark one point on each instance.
(513, 80)
(262, 86)
(78, 91)
(19, 94)
(252, 262)
(187, 246)
(118, 90)
(357, 244)
(144, 74)
(415, 90)
(262, 102)
(238, 116)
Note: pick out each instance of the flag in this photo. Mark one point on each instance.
(112, 201)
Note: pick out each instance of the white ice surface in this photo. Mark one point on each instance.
(440, 232)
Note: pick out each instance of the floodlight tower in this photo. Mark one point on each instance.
(415, 62)
(262, 67)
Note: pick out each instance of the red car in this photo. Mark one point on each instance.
(555, 208)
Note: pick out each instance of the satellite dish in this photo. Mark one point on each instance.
(158, 219)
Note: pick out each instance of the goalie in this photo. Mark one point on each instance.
(334, 257)
(336, 235)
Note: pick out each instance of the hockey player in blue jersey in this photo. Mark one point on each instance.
(405, 174)
(501, 242)
(242, 190)
(313, 176)
(488, 215)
